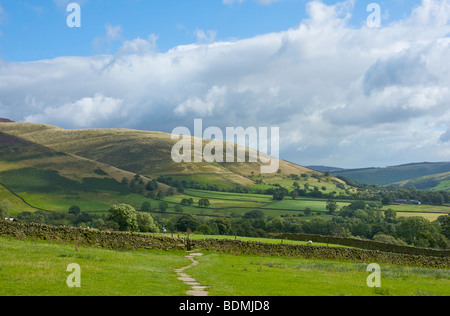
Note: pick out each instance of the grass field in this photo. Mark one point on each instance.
(430, 212)
(37, 268)
(31, 268)
(275, 276)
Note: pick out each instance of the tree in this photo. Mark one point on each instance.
(203, 203)
(204, 229)
(124, 181)
(358, 205)
(390, 215)
(387, 200)
(151, 185)
(146, 223)
(125, 216)
(187, 221)
(411, 228)
(75, 210)
(280, 193)
(446, 227)
(256, 214)
(437, 198)
(332, 206)
(5, 208)
(294, 194)
(224, 226)
(160, 195)
(178, 209)
(146, 207)
(163, 206)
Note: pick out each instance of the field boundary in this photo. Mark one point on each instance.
(130, 241)
(23, 200)
(365, 244)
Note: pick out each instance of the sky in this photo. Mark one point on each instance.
(343, 92)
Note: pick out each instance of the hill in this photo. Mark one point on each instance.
(144, 153)
(34, 176)
(394, 174)
(435, 182)
(324, 168)
(53, 168)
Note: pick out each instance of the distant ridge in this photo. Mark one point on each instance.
(324, 168)
(394, 174)
(5, 120)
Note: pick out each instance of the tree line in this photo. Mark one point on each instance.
(359, 219)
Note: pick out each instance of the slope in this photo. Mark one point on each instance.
(437, 182)
(394, 174)
(53, 180)
(145, 153)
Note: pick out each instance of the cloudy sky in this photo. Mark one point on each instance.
(343, 93)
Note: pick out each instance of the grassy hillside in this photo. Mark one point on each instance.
(435, 182)
(145, 153)
(34, 176)
(394, 174)
(34, 268)
(52, 169)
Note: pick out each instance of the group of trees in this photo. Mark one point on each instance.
(120, 217)
(150, 189)
(352, 221)
(359, 219)
(385, 195)
(5, 208)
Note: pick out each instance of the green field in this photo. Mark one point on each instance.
(245, 275)
(37, 268)
(32, 268)
(430, 212)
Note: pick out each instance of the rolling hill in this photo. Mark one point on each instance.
(51, 167)
(435, 182)
(140, 152)
(393, 174)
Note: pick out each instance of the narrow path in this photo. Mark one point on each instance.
(197, 289)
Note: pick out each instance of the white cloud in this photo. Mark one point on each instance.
(112, 34)
(344, 96)
(82, 113)
(208, 36)
(203, 107)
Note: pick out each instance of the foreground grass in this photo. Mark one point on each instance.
(38, 268)
(246, 275)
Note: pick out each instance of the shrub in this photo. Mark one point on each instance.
(125, 216)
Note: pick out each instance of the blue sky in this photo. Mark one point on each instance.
(342, 93)
(34, 30)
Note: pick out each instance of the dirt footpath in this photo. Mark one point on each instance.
(197, 289)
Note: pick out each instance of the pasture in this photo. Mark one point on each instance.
(36, 268)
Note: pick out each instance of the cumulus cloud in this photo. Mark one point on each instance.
(341, 95)
(82, 113)
(203, 107)
(112, 34)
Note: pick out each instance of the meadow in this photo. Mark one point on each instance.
(36, 268)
